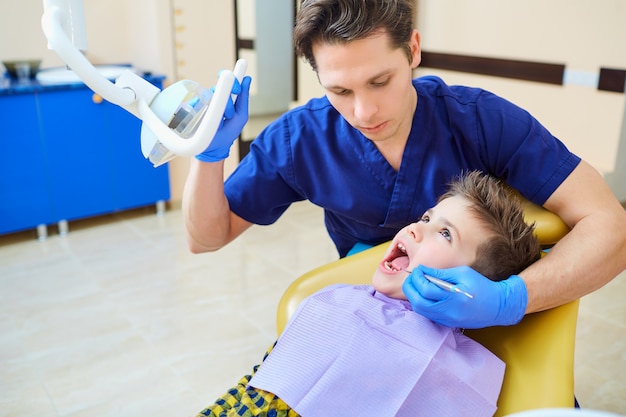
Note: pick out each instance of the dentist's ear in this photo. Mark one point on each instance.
(416, 49)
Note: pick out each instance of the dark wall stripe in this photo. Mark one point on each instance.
(612, 80)
(521, 70)
(245, 43)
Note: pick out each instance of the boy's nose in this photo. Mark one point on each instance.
(416, 232)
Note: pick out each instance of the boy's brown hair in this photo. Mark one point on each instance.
(343, 21)
(512, 245)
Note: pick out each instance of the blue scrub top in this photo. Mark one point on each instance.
(312, 153)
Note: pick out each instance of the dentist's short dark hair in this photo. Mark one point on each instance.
(343, 21)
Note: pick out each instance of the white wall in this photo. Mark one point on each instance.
(108, 25)
(582, 34)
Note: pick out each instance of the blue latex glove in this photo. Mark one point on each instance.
(500, 303)
(235, 118)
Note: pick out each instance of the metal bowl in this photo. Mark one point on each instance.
(12, 67)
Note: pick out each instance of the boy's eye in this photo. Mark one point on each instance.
(424, 219)
(446, 234)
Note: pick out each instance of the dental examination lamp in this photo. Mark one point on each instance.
(180, 120)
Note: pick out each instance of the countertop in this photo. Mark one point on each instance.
(11, 86)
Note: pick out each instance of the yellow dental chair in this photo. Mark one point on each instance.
(538, 351)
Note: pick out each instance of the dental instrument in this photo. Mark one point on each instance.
(180, 120)
(444, 284)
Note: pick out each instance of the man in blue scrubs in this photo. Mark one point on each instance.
(379, 147)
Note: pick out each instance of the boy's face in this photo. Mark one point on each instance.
(447, 235)
(370, 84)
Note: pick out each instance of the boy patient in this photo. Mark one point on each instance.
(360, 350)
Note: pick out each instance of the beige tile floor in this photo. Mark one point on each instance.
(119, 319)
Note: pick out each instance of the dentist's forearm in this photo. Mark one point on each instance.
(587, 258)
(205, 208)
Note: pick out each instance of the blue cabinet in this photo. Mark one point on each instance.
(69, 155)
(25, 199)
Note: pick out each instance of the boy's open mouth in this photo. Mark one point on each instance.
(397, 259)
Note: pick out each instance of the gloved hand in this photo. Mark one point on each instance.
(500, 303)
(235, 118)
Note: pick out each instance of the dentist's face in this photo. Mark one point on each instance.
(370, 84)
(447, 235)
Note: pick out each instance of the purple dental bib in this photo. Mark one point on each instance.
(349, 350)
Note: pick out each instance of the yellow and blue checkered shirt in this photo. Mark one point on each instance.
(245, 401)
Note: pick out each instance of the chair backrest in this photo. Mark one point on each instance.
(538, 351)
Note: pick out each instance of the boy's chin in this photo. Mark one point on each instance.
(389, 285)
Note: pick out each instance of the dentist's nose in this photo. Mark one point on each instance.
(364, 108)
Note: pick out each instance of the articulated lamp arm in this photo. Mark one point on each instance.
(163, 136)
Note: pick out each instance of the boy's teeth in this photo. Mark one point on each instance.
(389, 266)
(401, 247)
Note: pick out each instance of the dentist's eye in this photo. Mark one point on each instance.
(380, 84)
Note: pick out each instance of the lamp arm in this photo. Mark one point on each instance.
(161, 138)
(63, 46)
